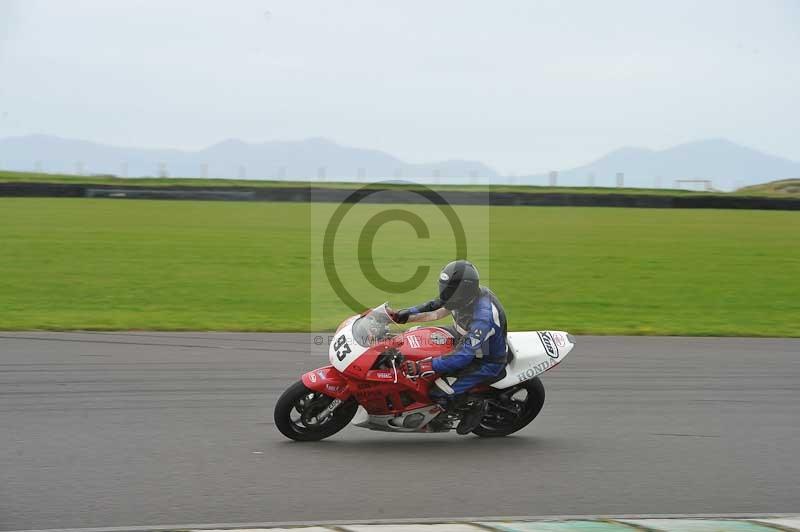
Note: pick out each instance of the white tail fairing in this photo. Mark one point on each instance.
(533, 353)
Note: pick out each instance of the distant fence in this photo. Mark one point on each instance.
(389, 195)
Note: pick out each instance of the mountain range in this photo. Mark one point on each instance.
(726, 164)
(306, 159)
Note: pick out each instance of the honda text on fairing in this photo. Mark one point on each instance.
(366, 357)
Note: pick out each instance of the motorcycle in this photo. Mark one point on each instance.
(365, 378)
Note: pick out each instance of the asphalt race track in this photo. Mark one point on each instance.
(108, 429)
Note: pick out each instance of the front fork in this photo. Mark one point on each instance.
(332, 407)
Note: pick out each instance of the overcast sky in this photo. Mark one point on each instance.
(523, 86)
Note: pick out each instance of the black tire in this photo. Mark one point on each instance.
(533, 405)
(298, 430)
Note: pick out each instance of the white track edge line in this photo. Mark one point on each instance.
(420, 520)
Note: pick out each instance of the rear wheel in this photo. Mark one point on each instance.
(302, 414)
(512, 410)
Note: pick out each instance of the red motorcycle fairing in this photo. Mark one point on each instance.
(423, 342)
(387, 390)
(414, 344)
(384, 390)
(379, 398)
(329, 381)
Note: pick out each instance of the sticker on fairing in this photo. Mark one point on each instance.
(549, 344)
(341, 348)
(438, 338)
(560, 340)
(344, 350)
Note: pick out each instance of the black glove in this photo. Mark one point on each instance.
(399, 316)
(402, 315)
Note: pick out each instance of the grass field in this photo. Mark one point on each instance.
(105, 264)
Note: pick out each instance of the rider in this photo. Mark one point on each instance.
(480, 324)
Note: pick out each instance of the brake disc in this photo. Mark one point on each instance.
(310, 416)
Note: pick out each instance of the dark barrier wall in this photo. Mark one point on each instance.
(303, 194)
(53, 190)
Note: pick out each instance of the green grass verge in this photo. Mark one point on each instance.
(784, 188)
(103, 264)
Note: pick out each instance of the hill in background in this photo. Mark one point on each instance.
(305, 159)
(785, 187)
(728, 165)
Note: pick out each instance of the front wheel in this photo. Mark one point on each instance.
(301, 414)
(513, 410)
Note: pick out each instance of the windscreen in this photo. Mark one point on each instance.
(372, 327)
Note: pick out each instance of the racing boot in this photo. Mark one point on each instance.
(444, 421)
(473, 416)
